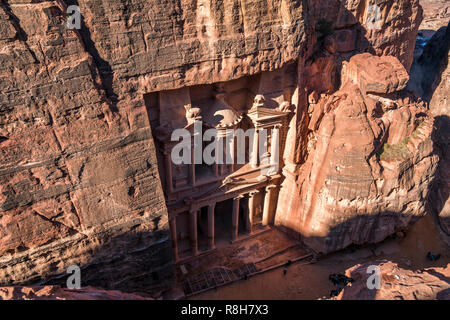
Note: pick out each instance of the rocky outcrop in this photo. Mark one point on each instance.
(164, 45)
(382, 28)
(440, 107)
(79, 182)
(397, 283)
(431, 73)
(58, 293)
(436, 14)
(370, 160)
(430, 78)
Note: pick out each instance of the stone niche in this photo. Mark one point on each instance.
(219, 203)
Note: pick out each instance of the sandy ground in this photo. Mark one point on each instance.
(266, 249)
(310, 281)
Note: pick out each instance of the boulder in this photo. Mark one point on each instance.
(396, 283)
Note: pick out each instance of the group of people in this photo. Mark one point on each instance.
(288, 263)
(433, 257)
(340, 281)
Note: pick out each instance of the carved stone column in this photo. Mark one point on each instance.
(275, 150)
(192, 168)
(193, 231)
(230, 150)
(235, 218)
(168, 171)
(211, 243)
(173, 235)
(267, 211)
(254, 151)
(221, 150)
(251, 211)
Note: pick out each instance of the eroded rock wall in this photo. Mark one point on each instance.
(337, 190)
(78, 175)
(370, 160)
(397, 283)
(431, 79)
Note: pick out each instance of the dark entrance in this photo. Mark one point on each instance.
(223, 219)
(202, 229)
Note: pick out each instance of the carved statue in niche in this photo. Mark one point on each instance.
(285, 106)
(192, 114)
(219, 88)
(180, 171)
(258, 209)
(163, 131)
(258, 101)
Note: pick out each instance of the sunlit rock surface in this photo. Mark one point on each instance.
(370, 160)
(397, 283)
(430, 78)
(78, 173)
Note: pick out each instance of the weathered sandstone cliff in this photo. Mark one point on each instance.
(79, 182)
(431, 79)
(436, 14)
(370, 160)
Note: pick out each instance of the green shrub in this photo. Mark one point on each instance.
(400, 150)
(397, 151)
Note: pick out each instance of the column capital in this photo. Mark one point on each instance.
(270, 187)
(193, 210)
(277, 126)
(253, 193)
(193, 232)
(212, 205)
(211, 244)
(240, 196)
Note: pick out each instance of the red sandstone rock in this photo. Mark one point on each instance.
(58, 293)
(370, 161)
(436, 14)
(376, 75)
(397, 283)
(79, 181)
(431, 79)
(397, 31)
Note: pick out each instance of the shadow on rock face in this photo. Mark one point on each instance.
(439, 197)
(131, 262)
(430, 79)
(104, 67)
